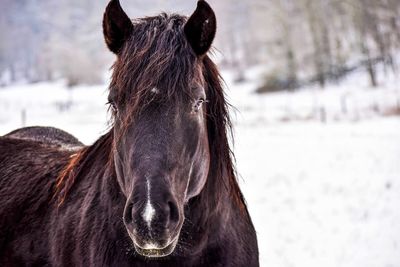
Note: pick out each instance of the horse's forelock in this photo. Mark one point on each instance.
(156, 55)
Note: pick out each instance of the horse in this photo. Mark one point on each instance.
(47, 135)
(159, 188)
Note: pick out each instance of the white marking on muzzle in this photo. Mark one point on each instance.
(149, 211)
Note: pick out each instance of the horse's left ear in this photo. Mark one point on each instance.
(200, 28)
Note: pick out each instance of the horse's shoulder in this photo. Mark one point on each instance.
(47, 135)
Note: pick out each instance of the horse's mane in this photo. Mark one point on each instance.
(157, 48)
(82, 164)
(219, 127)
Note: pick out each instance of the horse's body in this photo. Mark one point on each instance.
(47, 135)
(82, 206)
(87, 230)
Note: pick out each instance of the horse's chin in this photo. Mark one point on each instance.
(151, 251)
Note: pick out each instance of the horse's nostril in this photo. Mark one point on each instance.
(128, 213)
(173, 211)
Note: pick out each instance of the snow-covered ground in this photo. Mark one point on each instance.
(323, 195)
(320, 169)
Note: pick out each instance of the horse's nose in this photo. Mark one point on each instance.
(159, 215)
(154, 220)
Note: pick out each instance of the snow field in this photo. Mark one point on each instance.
(323, 187)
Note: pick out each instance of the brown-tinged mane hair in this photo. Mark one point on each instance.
(158, 55)
(88, 161)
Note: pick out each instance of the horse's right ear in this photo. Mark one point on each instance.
(200, 28)
(117, 26)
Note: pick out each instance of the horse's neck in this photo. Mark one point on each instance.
(208, 213)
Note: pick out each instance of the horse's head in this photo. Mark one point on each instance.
(158, 93)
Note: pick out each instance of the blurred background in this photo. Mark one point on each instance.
(316, 87)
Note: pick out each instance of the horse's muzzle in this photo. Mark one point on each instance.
(154, 227)
(152, 251)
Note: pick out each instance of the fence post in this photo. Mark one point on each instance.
(23, 117)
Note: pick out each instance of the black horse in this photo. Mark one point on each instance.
(159, 189)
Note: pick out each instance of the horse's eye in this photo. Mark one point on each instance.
(197, 105)
(113, 106)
